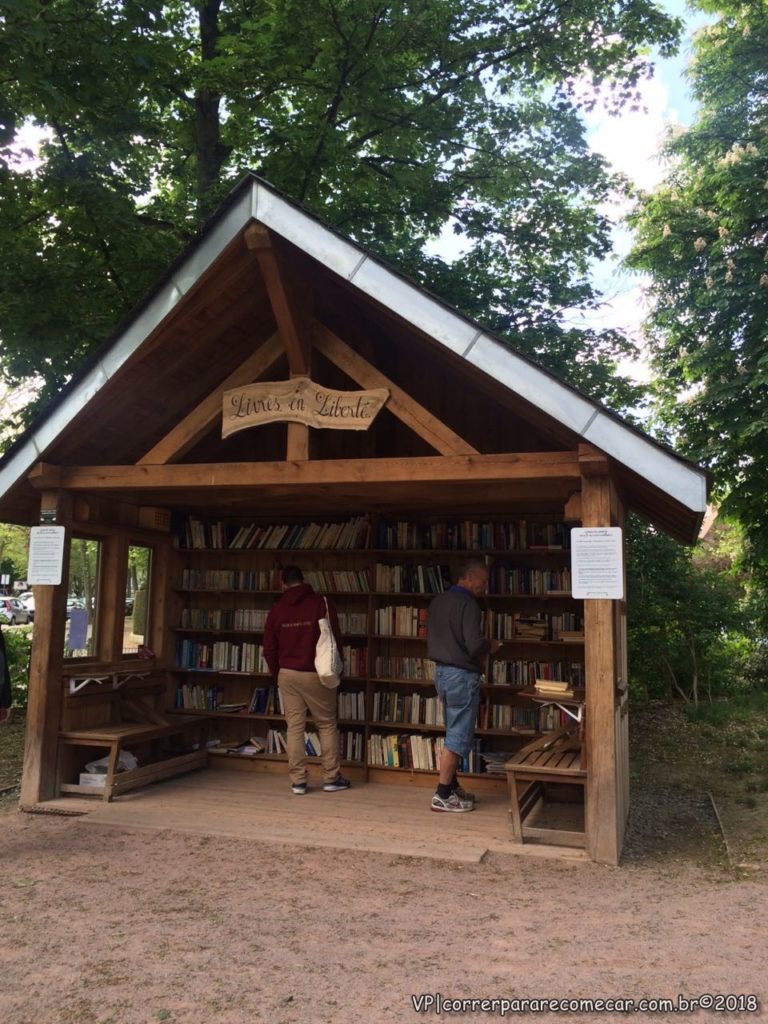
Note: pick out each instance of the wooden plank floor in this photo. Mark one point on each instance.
(395, 820)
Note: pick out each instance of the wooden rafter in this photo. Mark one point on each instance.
(400, 404)
(561, 466)
(291, 323)
(196, 423)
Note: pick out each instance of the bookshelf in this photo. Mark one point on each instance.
(381, 575)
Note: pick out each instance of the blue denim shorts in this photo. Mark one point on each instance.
(459, 691)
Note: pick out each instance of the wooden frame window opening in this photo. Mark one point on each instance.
(138, 582)
(84, 586)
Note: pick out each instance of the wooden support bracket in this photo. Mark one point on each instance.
(289, 309)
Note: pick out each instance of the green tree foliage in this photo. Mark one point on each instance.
(14, 549)
(703, 238)
(390, 120)
(690, 633)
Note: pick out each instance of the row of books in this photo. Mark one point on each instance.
(400, 620)
(200, 535)
(567, 626)
(408, 708)
(524, 580)
(352, 705)
(353, 623)
(194, 697)
(231, 579)
(221, 656)
(240, 619)
(407, 751)
(420, 753)
(355, 660)
(525, 673)
(392, 667)
(351, 745)
(520, 535)
(506, 717)
(347, 581)
(411, 579)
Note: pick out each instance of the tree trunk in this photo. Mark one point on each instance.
(695, 672)
(209, 151)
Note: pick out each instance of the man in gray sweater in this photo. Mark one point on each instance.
(456, 644)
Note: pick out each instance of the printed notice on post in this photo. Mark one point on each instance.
(596, 562)
(46, 554)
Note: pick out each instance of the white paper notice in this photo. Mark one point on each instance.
(46, 554)
(596, 562)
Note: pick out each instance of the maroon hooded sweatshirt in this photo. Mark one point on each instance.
(291, 631)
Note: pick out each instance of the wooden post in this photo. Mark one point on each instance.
(602, 793)
(110, 620)
(45, 676)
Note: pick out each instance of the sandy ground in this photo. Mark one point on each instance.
(133, 928)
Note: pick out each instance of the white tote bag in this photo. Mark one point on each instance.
(328, 661)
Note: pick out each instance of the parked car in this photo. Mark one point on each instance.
(17, 611)
(129, 605)
(27, 598)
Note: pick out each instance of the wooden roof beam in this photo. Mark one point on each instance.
(400, 404)
(289, 311)
(562, 466)
(178, 441)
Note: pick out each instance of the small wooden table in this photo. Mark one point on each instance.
(554, 757)
(114, 737)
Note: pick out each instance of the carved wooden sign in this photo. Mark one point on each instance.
(300, 400)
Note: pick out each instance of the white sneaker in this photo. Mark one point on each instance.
(451, 803)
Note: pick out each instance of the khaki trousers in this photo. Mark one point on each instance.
(302, 691)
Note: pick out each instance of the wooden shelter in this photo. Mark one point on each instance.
(476, 448)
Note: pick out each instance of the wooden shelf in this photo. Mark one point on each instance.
(469, 552)
(220, 672)
(247, 715)
(326, 560)
(382, 636)
(218, 752)
(247, 632)
(265, 593)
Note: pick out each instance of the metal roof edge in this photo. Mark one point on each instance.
(254, 198)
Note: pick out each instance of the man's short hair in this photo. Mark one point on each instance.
(291, 575)
(470, 565)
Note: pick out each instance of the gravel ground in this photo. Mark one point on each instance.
(133, 928)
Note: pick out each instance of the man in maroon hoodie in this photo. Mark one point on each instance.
(291, 633)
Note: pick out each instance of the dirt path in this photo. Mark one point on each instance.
(133, 928)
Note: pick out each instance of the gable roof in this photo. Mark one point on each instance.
(656, 469)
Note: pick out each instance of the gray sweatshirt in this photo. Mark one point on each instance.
(454, 633)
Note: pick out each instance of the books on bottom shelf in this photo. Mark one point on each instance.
(245, 748)
(277, 742)
(409, 751)
(350, 744)
(352, 705)
(495, 760)
(413, 751)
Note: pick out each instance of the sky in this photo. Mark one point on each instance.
(630, 143)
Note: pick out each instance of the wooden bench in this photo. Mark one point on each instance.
(115, 737)
(552, 758)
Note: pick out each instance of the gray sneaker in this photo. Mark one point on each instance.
(462, 794)
(451, 803)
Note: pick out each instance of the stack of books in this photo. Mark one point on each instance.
(553, 688)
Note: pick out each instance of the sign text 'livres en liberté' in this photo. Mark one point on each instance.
(300, 400)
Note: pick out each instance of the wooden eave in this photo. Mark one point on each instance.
(215, 309)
